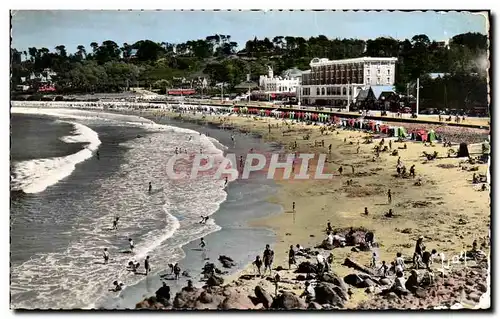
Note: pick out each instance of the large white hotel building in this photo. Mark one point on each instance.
(338, 82)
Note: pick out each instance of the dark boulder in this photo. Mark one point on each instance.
(327, 294)
(288, 301)
(306, 268)
(314, 306)
(262, 296)
(215, 281)
(334, 279)
(354, 280)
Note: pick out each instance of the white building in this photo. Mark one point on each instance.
(338, 82)
(288, 83)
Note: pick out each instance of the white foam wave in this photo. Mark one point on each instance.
(34, 176)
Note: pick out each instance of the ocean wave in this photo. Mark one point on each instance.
(34, 176)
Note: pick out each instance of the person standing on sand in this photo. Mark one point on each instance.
(268, 257)
(291, 257)
(258, 264)
(412, 171)
(293, 207)
(390, 144)
(150, 187)
(384, 268)
(105, 255)
(177, 271)
(389, 196)
(330, 149)
(366, 210)
(340, 170)
(373, 263)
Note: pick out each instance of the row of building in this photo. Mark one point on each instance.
(333, 82)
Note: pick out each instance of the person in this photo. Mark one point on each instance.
(330, 148)
(177, 271)
(171, 267)
(399, 262)
(389, 196)
(97, 154)
(329, 238)
(329, 227)
(163, 294)
(384, 268)
(412, 283)
(258, 264)
(399, 284)
(105, 255)
(366, 210)
(202, 243)
(226, 181)
(399, 161)
(291, 257)
(309, 292)
(474, 179)
(268, 258)
(417, 255)
(293, 207)
(147, 265)
(277, 279)
(118, 286)
(203, 220)
(340, 170)
(131, 244)
(389, 213)
(369, 238)
(150, 188)
(390, 144)
(412, 171)
(320, 262)
(373, 263)
(115, 223)
(426, 258)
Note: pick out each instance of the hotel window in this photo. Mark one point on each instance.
(378, 71)
(317, 91)
(388, 72)
(368, 71)
(322, 91)
(344, 91)
(378, 81)
(367, 80)
(388, 80)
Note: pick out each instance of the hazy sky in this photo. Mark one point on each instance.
(71, 28)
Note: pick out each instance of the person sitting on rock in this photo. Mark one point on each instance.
(369, 239)
(338, 240)
(349, 238)
(389, 214)
(475, 180)
(320, 262)
(483, 188)
(189, 286)
(118, 286)
(308, 293)
(399, 286)
(399, 262)
(163, 294)
(329, 238)
(329, 227)
(412, 281)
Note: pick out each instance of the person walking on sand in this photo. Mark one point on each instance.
(105, 255)
(131, 244)
(147, 265)
(366, 210)
(340, 170)
(115, 223)
(412, 171)
(150, 187)
(291, 257)
(373, 263)
(268, 257)
(293, 207)
(389, 196)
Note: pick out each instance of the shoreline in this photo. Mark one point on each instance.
(332, 200)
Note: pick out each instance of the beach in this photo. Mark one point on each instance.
(447, 209)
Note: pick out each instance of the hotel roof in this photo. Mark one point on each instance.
(317, 61)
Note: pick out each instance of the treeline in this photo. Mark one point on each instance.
(110, 67)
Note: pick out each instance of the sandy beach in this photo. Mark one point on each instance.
(448, 210)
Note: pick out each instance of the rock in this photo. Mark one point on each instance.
(306, 268)
(449, 283)
(186, 299)
(263, 297)
(334, 279)
(143, 305)
(314, 306)
(391, 296)
(354, 280)
(300, 277)
(474, 297)
(279, 268)
(470, 282)
(421, 293)
(355, 249)
(226, 262)
(385, 281)
(326, 246)
(326, 293)
(369, 283)
(205, 297)
(246, 277)
(352, 264)
(215, 281)
(370, 290)
(341, 292)
(288, 300)
(238, 301)
(482, 287)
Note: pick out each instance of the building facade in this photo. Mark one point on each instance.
(338, 82)
(289, 83)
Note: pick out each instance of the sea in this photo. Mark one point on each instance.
(74, 171)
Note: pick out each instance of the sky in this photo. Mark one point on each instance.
(50, 28)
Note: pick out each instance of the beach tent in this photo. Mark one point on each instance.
(420, 135)
(236, 109)
(463, 150)
(431, 136)
(401, 132)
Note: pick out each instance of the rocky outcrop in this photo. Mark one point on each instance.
(262, 296)
(306, 268)
(288, 301)
(327, 293)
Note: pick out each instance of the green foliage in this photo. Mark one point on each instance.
(109, 67)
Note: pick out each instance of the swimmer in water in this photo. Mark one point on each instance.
(97, 154)
(225, 183)
(105, 255)
(115, 223)
(150, 188)
(202, 243)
